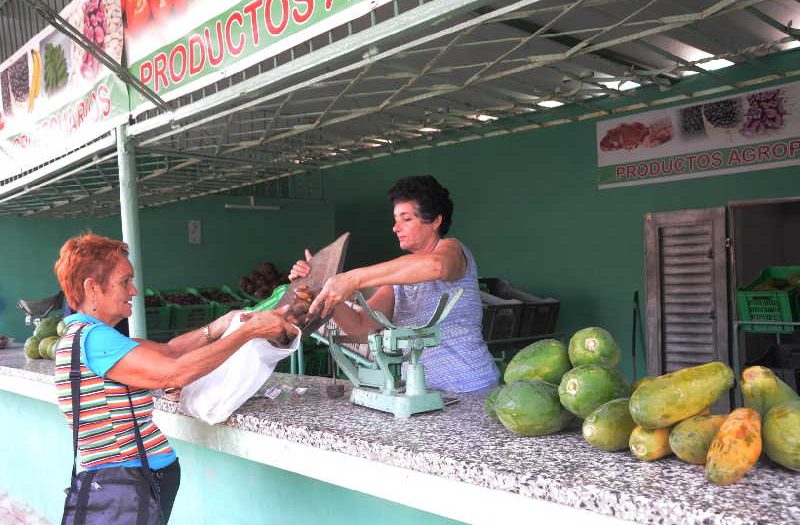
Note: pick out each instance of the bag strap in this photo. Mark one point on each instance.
(75, 387)
(75, 383)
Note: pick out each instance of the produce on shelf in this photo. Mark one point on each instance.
(649, 444)
(584, 388)
(47, 327)
(181, 298)
(219, 296)
(593, 346)
(531, 408)
(690, 439)
(664, 415)
(32, 347)
(488, 403)
(153, 301)
(546, 360)
(45, 346)
(261, 282)
(781, 434)
(680, 394)
(735, 448)
(762, 389)
(609, 426)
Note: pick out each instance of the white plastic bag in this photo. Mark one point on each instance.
(215, 396)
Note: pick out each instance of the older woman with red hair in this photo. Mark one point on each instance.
(117, 371)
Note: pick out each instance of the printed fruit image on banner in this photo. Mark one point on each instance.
(744, 132)
(54, 96)
(101, 22)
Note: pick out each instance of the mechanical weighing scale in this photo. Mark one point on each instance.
(374, 377)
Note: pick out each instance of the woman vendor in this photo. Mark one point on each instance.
(409, 288)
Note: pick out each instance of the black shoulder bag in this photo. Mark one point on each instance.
(118, 495)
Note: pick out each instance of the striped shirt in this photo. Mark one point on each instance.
(461, 363)
(105, 433)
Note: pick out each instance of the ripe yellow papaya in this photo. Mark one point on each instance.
(678, 395)
(735, 448)
(650, 444)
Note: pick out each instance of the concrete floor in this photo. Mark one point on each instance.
(14, 512)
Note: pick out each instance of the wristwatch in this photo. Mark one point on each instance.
(207, 333)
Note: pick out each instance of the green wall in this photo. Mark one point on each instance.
(528, 206)
(215, 488)
(233, 243)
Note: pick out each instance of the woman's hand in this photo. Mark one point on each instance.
(301, 268)
(269, 324)
(336, 290)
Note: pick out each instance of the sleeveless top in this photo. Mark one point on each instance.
(105, 432)
(461, 363)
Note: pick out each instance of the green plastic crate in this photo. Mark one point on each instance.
(220, 309)
(187, 317)
(769, 305)
(157, 318)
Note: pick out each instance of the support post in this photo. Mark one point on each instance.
(129, 214)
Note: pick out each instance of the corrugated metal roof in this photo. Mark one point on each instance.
(394, 81)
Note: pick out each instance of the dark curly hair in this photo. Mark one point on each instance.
(432, 199)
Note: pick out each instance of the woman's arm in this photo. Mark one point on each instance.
(151, 365)
(356, 322)
(445, 263)
(191, 340)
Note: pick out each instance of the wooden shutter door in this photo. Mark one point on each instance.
(686, 276)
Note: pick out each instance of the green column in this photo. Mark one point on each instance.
(129, 214)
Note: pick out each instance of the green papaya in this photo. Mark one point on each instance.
(649, 444)
(781, 434)
(44, 346)
(593, 346)
(61, 327)
(609, 427)
(762, 390)
(32, 347)
(47, 327)
(690, 439)
(586, 387)
(678, 395)
(546, 360)
(488, 403)
(531, 408)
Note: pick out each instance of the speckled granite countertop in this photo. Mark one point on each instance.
(462, 443)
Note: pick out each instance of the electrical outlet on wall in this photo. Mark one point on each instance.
(195, 231)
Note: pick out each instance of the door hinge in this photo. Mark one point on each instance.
(727, 242)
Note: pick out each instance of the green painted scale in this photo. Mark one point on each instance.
(374, 379)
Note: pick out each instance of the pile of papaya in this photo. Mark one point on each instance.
(550, 387)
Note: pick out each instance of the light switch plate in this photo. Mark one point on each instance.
(195, 231)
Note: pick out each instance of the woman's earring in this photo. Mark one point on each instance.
(94, 308)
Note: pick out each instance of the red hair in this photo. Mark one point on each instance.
(83, 256)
